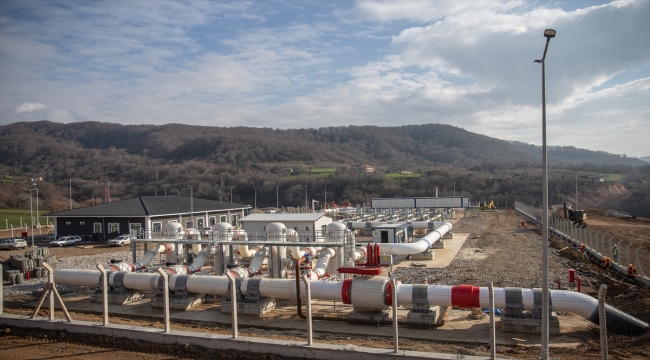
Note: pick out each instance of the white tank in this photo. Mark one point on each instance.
(276, 232)
(224, 231)
(174, 231)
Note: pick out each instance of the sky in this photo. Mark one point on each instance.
(312, 64)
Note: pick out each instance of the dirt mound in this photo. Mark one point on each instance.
(602, 196)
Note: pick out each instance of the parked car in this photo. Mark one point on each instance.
(13, 244)
(77, 238)
(64, 241)
(120, 240)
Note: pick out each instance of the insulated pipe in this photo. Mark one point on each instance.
(151, 254)
(461, 296)
(257, 262)
(199, 261)
(324, 257)
(243, 249)
(422, 245)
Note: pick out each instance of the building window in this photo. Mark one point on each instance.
(156, 227)
(234, 220)
(188, 224)
(171, 221)
(113, 228)
(212, 220)
(224, 218)
(307, 228)
(82, 223)
(199, 223)
(68, 222)
(134, 228)
(98, 228)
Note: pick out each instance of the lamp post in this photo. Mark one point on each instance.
(255, 198)
(31, 211)
(231, 187)
(549, 34)
(277, 196)
(454, 189)
(35, 184)
(306, 201)
(191, 204)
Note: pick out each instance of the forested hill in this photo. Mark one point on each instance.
(46, 143)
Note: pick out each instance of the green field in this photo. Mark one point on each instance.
(13, 217)
(403, 176)
(322, 171)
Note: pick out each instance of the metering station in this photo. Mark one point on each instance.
(269, 265)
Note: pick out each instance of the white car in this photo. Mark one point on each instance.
(120, 240)
(77, 238)
(13, 244)
(63, 241)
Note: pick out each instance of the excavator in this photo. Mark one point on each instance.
(488, 206)
(577, 217)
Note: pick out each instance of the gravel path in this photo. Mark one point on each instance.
(495, 250)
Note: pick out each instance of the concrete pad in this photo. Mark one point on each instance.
(443, 257)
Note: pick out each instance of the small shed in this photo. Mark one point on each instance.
(308, 225)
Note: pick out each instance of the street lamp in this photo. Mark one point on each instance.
(35, 184)
(549, 34)
(255, 198)
(277, 196)
(191, 203)
(231, 187)
(454, 189)
(306, 201)
(31, 211)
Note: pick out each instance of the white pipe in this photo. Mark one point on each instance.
(200, 260)
(463, 296)
(258, 261)
(422, 245)
(244, 250)
(321, 265)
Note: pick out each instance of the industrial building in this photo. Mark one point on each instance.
(149, 213)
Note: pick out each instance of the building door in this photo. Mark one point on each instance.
(384, 237)
(135, 229)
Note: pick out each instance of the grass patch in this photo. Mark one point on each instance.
(403, 176)
(322, 171)
(13, 217)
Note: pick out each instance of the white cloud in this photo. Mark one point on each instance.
(28, 107)
(465, 63)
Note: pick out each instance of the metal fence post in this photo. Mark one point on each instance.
(393, 284)
(602, 321)
(104, 292)
(310, 338)
(233, 302)
(165, 291)
(493, 339)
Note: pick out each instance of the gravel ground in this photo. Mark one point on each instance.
(495, 250)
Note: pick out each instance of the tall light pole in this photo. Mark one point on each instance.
(306, 201)
(549, 34)
(454, 189)
(231, 187)
(35, 184)
(277, 196)
(255, 198)
(191, 203)
(31, 211)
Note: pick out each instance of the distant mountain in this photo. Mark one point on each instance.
(645, 158)
(570, 154)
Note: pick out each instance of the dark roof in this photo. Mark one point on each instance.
(152, 206)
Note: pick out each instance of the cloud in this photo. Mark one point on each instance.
(469, 64)
(28, 107)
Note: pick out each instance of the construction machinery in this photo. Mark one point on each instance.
(578, 217)
(488, 206)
